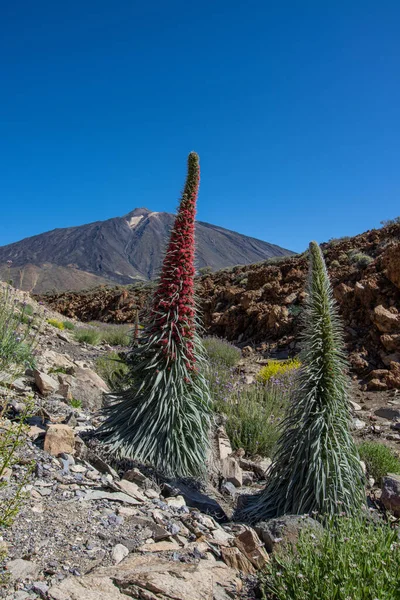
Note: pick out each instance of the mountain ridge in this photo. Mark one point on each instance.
(121, 250)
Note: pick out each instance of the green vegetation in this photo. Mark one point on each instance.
(98, 333)
(58, 370)
(68, 325)
(88, 336)
(205, 270)
(254, 415)
(12, 438)
(221, 352)
(115, 335)
(388, 222)
(277, 369)
(354, 559)
(74, 403)
(379, 460)
(18, 332)
(335, 264)
(165, 420)
(316, 465)
(359, 259)
(114, 370)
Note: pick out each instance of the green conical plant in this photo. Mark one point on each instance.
(316, 466)
(163, 419)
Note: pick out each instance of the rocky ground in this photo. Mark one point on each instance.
(92, 527)
(261, 304)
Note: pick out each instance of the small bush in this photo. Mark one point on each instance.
(205, 270)
(253, 418)
(113, 370)
(221, 351)
(18, 335)
(56, 323)
(379, 460)
(74, 403)
(394, 221)
(12, 439)
(336, 241)
(88, 336)
(277, 368)
(115, 335)
(359, 259)
(68, 325)
(343, 258)
(335, 264)
(353, 559)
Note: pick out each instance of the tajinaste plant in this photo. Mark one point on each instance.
(316, 465)
(163, 419)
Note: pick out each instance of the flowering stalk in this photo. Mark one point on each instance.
(164, 417)
(316, 465)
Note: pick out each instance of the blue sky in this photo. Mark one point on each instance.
(293, 107)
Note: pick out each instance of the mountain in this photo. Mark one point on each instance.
(122, 250)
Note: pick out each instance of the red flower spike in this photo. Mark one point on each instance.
(174, 297)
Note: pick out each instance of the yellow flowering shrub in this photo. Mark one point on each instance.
(277, 368)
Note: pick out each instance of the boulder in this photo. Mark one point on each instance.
(250, 545)
(59, 438)
(390, 497)
(86, 386)
(224, 444)
(283, 531)
(392, 263)
(23, 569)
(391, 342)
(231, 471)
(385, 320)
(45, 384)
(152, 577)
(119, 552)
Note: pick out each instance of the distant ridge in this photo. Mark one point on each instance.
(120, 250)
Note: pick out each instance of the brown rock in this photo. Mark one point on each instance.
(391, 493)
(249, 543)
(152, 577)
(224, 444)
(59, 438)
(46, 384)
(236, 560)
(391, 341)
(385, 320)
(231, 471)
(392, 260)
(376, 385)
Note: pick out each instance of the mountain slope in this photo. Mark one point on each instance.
(122, 249)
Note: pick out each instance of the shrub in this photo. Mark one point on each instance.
(221, 351)
(88, 336)
(205, 270)
(56, 323)
(113, 369)
(277, 369)
(75, 403)
(335, 264)
(12, 439)
(379, 460)
(388, 222)
(316, 465)
(165, 421)
(353, 559)
(253, 417)
(343, 258)
(18, 335)
(115, 335)
(359, 259)
(68, 325)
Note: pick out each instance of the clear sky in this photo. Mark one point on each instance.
(294, 108)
